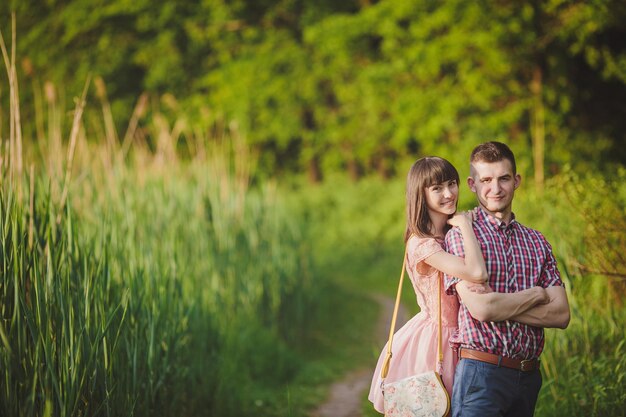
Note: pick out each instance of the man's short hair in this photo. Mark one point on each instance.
(493, 152)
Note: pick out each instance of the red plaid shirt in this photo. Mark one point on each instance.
(517, 258)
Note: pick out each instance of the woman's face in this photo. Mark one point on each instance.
(442, 198)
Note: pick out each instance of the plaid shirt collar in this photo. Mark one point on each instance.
(495, 223)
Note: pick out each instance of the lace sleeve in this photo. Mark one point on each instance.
(420, 249)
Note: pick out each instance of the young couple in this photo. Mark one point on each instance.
(503, 274)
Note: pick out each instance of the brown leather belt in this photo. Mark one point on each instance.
(525, 365)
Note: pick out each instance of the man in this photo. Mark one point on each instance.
(498, 372)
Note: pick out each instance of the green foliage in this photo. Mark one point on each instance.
(586, 227)
(323, 86)
(352, 222)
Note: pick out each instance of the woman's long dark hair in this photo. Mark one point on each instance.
(425, 172)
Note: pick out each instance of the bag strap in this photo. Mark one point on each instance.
(385, 368)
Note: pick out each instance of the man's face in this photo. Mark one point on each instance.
(494, 184)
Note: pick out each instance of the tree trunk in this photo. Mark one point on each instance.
(354, 169)
(315, 172)
(538, 126)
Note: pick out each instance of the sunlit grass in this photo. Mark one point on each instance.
(113, 311)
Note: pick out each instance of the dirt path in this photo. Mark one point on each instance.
(345, 396)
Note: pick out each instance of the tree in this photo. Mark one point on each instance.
(315, 86)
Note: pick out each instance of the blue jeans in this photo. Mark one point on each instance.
(483, 390)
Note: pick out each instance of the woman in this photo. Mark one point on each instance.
(431, 196)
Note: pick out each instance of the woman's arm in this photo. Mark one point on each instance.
(471, 268)
(486, 305)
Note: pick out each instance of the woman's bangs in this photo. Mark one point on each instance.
(440, 171)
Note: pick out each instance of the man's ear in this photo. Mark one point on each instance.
(518, 180)
(471, 184)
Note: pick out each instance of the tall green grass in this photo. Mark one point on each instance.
(134, 283)
(167, 294)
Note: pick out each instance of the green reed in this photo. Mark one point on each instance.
(166, 294)
(137, 284)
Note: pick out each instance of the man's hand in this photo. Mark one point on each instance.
(543, 296)
(552, 313)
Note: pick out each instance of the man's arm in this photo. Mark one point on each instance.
(486, 305)
(535, 306)
(553, 314)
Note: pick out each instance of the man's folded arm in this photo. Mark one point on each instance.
(555, 313)
(536, 306)
(486, 305)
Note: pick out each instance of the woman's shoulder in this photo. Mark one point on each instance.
(420, 247)
(416, 241)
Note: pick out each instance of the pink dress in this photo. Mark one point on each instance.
(414, 348)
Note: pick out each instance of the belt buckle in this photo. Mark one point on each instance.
(526, 365)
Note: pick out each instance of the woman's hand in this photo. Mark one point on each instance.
(461, 218)
(539, 294)
(483, 288)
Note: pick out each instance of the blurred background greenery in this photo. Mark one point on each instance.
(319, 86)
(199, 198)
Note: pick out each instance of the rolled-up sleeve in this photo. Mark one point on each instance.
(550, 275)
